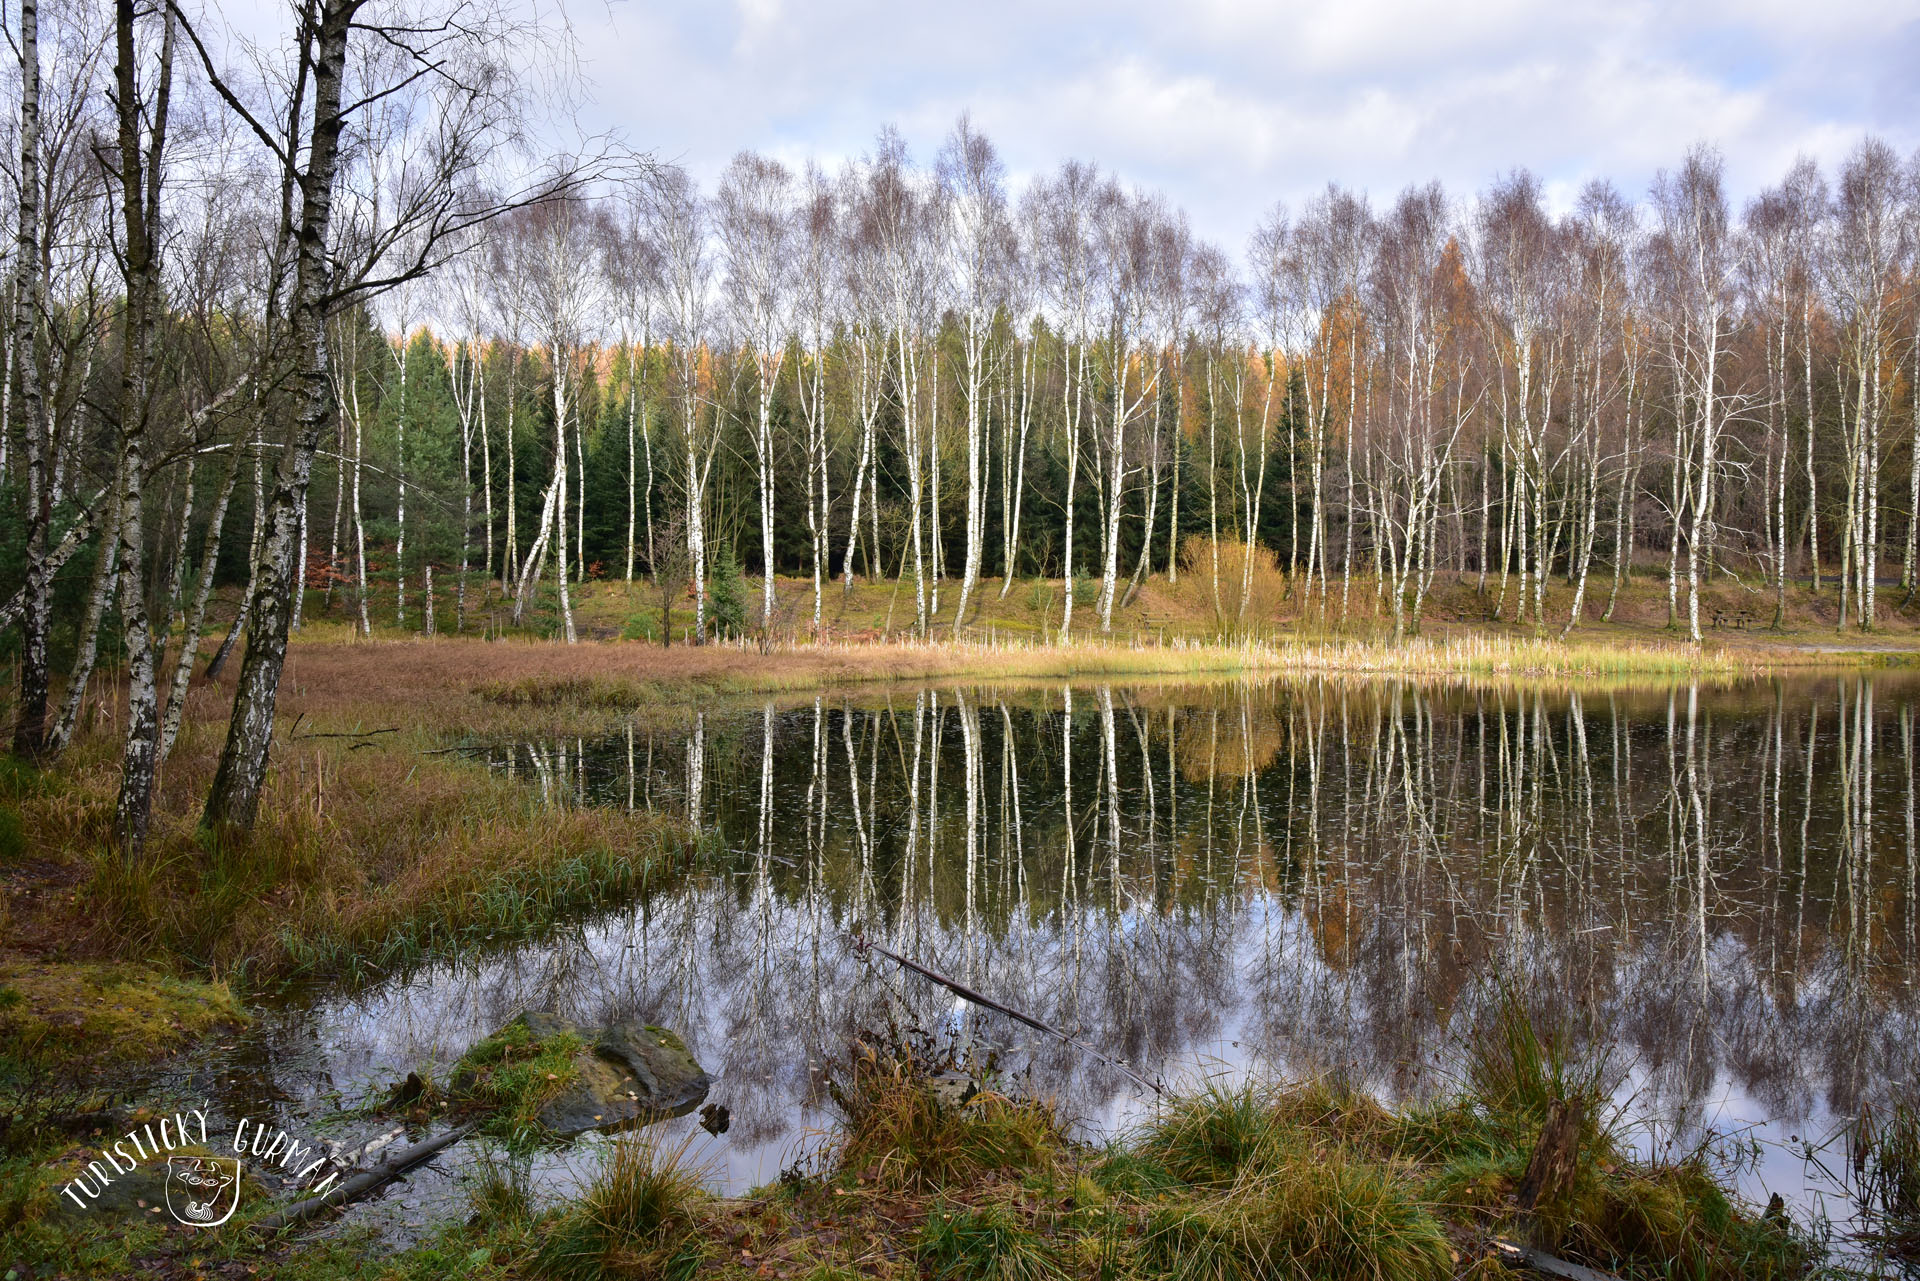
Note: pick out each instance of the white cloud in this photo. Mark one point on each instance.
(1228, 105)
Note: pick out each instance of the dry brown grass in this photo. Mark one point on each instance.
(370, 851)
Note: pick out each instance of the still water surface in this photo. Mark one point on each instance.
(1284, 878)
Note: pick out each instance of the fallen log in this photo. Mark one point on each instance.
(862, 944)
(366, 1181)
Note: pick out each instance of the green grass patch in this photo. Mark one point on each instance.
(633, 1219)
(73, 1012)
(513, 1074)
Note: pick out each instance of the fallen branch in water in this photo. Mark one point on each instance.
(359, 1185)
(861, 945)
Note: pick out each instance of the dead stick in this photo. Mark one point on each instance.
(366, 1181)
(1514, 1254)
(965, 993)
(358, 733)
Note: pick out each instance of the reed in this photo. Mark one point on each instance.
(1883, 1160)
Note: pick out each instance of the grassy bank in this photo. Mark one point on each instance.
(1733, 614)
(1302, 1181)
(462, 685)
(364, 861)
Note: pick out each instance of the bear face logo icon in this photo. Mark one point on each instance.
(203, 1191)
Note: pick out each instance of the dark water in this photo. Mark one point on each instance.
(1717, 882)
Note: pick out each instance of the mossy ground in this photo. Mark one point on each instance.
(81, 1014)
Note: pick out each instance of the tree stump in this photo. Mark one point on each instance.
(1549, 1175)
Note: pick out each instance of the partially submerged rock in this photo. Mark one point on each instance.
(542, 1070)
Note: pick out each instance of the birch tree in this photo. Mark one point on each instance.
(346, 57)
(677, 220)
(753, 216)
(899, 214)
(1124, 236)
(29, 300)
(1517, 258)
(973, 185)
(631, 266)
(564, 293)
(1696, 241)
(1058, 216)
(1866, 256)
(819, 307)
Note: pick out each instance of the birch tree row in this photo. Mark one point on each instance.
(196, 215)
(916, 373)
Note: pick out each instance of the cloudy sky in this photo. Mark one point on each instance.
(1228, 107)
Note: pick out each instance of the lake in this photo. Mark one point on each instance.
(1713, 885)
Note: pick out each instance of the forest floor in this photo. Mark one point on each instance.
(379, 847)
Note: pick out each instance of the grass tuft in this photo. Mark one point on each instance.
(1211, 1137)
(902, 1133)
(1318, 1216)
(633, 1219)
(1521, 1065)
(991, 1243)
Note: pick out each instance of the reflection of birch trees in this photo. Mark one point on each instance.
(1314, 876)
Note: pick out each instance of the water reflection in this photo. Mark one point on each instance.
(1305, 877)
